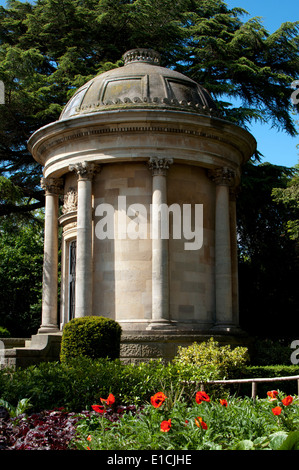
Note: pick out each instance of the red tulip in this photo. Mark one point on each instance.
(166, 425)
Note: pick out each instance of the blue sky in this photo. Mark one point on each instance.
(276, 146)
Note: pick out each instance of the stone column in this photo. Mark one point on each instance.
(224, 178)
(160, 275)
(53, 188)
(84, 255)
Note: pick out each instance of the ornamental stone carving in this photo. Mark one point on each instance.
(70, 201)
(222, 176)
(159, 166)
(142, 55)
(52, 185)
(85, 170)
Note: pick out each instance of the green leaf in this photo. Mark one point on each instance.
(244, 445)
(277, 439)
(291, 442)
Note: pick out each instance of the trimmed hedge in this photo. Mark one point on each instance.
(93, 336)
(289, 387)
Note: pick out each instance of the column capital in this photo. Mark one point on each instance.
(52, 185)
(159, 165)
(223, 176)
(85, 170)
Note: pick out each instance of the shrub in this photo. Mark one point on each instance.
(4, 333)
(266, 352)
(94, 337)
(290, 387)
(222, 360)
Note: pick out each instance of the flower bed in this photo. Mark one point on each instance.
(171, 423)
(48, 430)
(168, 422)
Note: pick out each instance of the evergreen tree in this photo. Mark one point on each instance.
(268, 258)
(51, 47)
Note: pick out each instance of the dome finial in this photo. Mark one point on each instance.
(142, 55)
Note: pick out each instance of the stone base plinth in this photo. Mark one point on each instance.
(40, 348)
(143, 346)
(136, 346)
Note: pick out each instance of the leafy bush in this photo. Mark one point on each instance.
(266, 352)
(269, 372)
(82, 380)
(4, 333)
(223, 361)
(21, 267)
(48, 430)
(92, 336)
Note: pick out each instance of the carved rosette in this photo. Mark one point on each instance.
(70, 201)
(52, 185)
(159, 166)
(85, 170)
(223, 176)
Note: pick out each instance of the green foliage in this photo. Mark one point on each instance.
(21, 265)
(81, 382)
(243, 424)
(268, 352)
(268, 259)
(50, 48)
(224, 361)
(289, 387)
(289, 197)
(291, 442)
(92, 337)
(14, 411)
(4, 333)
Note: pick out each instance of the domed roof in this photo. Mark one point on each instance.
(140, 83)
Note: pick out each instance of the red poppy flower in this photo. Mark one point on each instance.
(110, 400)
(287, 400)
(223, 402)
(200, 423)
(201, 396)
(272, 394)
(98, 408)
(158, 399)
(276, 411)
(166, 425)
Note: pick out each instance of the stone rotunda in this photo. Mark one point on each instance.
(131, 139)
